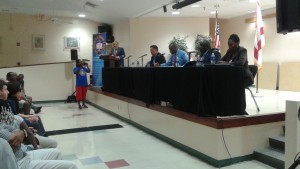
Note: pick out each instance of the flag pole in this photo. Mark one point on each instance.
(259, 43)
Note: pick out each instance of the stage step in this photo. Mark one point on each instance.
(273, 155)
(270, 156)
(277, 142)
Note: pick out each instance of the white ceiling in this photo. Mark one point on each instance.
(111, 11)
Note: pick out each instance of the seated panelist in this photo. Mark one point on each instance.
(178, 57)
(206, 50)
(156, 56)
(237, 56)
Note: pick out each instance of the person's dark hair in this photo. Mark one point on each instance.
(77, 62)
(173, 44)
(154, 47)
(13, 88)
(235, 38)
(9, 75)
(21, 75)
(2, 83)
(205, 41)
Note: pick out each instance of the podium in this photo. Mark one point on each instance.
(109, 61)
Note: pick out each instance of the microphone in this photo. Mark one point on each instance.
(128, 57)
(143, 55)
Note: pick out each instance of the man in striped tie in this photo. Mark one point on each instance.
(178, 57)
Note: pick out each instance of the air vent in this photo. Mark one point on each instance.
(90, 4)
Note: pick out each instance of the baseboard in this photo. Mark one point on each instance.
(49, 101)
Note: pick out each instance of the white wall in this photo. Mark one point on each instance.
(20, 28)
(121, 31)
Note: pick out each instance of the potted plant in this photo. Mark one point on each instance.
(180, 42)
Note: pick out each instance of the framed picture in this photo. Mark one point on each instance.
(38, 42)
(71, 43)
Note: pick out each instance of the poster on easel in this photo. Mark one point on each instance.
(99, 48)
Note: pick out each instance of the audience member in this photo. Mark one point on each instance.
(37, 109)
(26, 159)
(18, 122)
(7, 157)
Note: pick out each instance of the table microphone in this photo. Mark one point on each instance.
(143, 55)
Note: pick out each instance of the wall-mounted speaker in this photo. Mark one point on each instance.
(287, 16)
(109, 33)
(74, 54)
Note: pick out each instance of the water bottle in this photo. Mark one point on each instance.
(198, 63)
(212, 59)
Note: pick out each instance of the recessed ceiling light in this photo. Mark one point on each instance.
(195, 6)
(81, 15)
(251, 11)
(175, 12)
(213, 12)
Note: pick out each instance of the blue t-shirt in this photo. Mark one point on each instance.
(81, 77)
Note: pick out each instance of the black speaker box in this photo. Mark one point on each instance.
(74, 54)
(287, 16)
(109, 33)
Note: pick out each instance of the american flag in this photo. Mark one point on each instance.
(217, 33)
(259, 41)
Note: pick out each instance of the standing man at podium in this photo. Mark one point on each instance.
(118, 53)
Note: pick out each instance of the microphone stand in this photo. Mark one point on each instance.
(295, 164)
(143, 59)
(128, 60)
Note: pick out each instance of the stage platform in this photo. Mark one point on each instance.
(204, 137)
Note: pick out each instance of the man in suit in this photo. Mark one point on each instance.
(118, 53)
(156, 56)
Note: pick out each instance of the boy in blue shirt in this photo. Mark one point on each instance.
(81, 70)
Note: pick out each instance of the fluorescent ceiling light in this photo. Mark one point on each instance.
(252, 1)
(175, 12)
(195, 6)
(213, 12)
(81, 15)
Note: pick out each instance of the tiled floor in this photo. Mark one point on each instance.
(128, 147)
